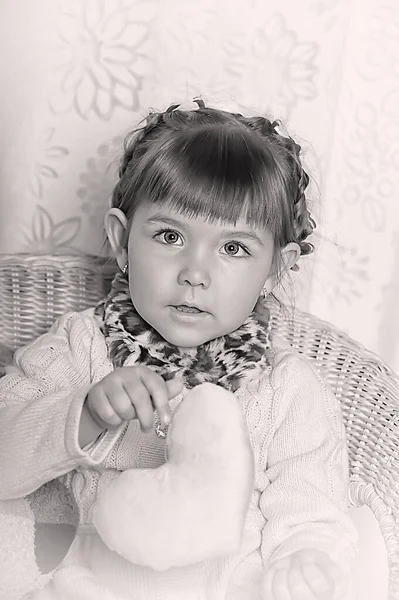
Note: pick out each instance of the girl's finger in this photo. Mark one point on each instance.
(122, 404)
(267, 579)
(321, 586)
(158, 392)
(142, 404)
(331, 570)
(280, 586)
(174, 387)
(298, 586)
(266, 585)
(102, 411)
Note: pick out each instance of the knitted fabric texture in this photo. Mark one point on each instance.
(227, 360)
(296, 429)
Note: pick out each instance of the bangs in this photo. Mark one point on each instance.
(218, 173)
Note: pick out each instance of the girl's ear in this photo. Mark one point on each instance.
(116, 224)
(289, 256)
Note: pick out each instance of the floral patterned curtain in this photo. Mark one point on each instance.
(78, 75)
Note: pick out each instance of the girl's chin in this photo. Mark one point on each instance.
(185, 339)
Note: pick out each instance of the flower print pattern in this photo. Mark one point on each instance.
(183, 66)
(45, 152)
(344, 274)
(329, 10)
(99, 180)
(282, 67)
(371, 158)
(105, 62)
(379, 57)
(44, 236)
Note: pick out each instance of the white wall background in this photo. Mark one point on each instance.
(77, 75)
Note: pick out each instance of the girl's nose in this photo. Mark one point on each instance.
(195, 273)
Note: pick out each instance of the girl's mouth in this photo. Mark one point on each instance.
(187, 309)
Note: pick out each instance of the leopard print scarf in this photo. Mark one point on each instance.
(228, 360)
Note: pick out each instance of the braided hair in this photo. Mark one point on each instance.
(220, 165)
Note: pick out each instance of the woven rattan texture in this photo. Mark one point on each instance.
(35, 290)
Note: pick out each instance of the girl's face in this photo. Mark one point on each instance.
(190, 279)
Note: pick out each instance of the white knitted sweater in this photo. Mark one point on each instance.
(298, 439)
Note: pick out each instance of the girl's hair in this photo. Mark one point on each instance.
(221, 166)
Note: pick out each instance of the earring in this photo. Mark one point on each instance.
(124, 270)
(264, 293)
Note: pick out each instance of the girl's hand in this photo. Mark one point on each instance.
(132, 393)
(304, 575)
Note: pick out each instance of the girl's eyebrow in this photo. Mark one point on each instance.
(250, 235)
(164, 219)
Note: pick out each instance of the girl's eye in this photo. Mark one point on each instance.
(169, 236)
(234, 248)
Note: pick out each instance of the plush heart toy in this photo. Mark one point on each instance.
(194, 506)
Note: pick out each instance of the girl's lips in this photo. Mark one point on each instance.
(188, 309)
(188, 314)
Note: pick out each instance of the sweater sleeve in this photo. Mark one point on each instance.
(305, 497)
(41, 400)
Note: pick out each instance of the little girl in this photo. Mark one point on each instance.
(208, 214)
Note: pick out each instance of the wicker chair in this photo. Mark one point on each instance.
(35, 290)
